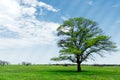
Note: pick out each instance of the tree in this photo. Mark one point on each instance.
(80, 39)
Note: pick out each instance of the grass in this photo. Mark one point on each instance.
(40, 72)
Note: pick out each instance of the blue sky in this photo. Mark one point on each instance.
(28, 27)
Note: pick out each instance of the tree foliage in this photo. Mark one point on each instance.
(80, 39)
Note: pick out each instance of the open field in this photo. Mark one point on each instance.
(40, 72)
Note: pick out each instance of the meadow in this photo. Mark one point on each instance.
(46, 72)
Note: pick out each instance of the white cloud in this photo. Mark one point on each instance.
(48, 7)
(35, 3)
(21, 19)
(32, 3)
(29, 11)
(9, 10)
(64, 18)
(115, 5)
(90, 3)
(118, 21)
(41, 12)
(9, 7)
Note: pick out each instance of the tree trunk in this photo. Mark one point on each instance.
(79, 67)
(78, 63)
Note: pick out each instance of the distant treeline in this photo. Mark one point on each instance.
(63, 64)
(3, 63)
(101, 65)
(26, 63)
(105, 64)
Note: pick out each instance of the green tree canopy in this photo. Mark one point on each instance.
(80, 39)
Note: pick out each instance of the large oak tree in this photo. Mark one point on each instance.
(80, 39)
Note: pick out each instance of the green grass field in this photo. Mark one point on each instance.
(17, 72)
